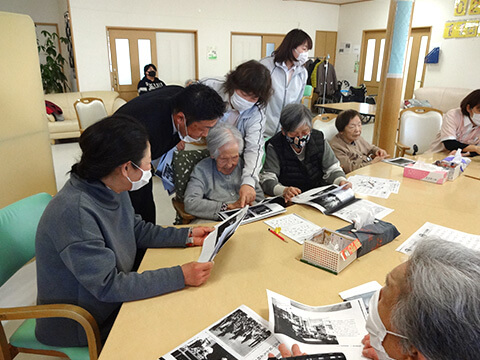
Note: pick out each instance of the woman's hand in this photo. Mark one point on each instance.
(343, 182)
(368, 351)
(290, 192)
(199, 234)
(195, 273)
(286, 353)
(382, 153)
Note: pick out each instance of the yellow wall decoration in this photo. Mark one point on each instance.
(474, 8)
(460, 7)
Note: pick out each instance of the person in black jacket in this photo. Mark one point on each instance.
(171, 114)
(150, 81)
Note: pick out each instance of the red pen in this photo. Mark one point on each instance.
(274, 233)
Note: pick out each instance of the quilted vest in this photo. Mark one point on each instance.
(293, 172)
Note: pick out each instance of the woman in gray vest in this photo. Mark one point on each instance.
(299, 158)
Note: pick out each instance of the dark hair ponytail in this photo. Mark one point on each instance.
(109, 143)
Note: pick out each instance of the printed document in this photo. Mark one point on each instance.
(441, 232)
(319, 329)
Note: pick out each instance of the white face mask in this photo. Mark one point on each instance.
(144, 180)
(476, 119)
(239, 103)
(187, 138)
(302, 57)
(376, 329)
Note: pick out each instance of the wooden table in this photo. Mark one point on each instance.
(364, 109)
(254, 260)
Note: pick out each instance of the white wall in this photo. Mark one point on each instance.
(44, 11)
(213, 19)
(458, 65)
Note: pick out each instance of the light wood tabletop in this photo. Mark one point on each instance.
(362, 108)
(254, 260)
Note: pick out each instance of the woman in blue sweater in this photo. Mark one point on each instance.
(88, 236)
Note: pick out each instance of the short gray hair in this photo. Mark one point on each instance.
(221, 134)
(295, 115)
(439, 311)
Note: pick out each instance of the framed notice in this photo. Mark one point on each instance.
(460, 7)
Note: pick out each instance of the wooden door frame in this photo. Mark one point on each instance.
(183, 31)
(429, 30)
(363, 54)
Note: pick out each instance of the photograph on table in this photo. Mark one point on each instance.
(241, 332)
(202, 348)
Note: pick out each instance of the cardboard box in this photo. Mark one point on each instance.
(434, 176)
(318, 251)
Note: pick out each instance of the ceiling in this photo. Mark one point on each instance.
(334, 2)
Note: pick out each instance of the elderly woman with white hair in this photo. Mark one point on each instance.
(215, 182)
(429, 308)
(299, 158)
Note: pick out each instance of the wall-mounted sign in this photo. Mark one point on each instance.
(474, 7)
(460, 29)
(460, 7)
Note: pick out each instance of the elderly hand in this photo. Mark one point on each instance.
(247, 195)
(382, 153)
(195, 273)
(368, 351)
(200, 233)
(286, 353)
(290, 192)
(343, 182)
(181, 145)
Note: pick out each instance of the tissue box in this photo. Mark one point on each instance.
(318, 250)
(434, 176)
(454, 172)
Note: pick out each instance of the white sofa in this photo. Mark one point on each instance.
(69, 127)
(442, 98)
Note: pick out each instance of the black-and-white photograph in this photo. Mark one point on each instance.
(240, 332)
(304, 330)
(202, 349)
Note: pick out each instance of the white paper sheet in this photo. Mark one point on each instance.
(374, 186)
(294, 226)
(319, 329)
(437, 231)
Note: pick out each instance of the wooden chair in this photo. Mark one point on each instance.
(326, 124)
(307, 99)
(18, 226)
(89, 110)
(417, 128)
(183, 164)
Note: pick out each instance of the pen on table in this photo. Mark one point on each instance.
(274, 233)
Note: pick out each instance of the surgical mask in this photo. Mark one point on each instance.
(298, 142)
(152, 73)
(239, 103)
(302, 57)
(376, 329)
(187, 138)
(144, 180)
(476, 119)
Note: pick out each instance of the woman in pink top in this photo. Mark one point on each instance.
(461, 127)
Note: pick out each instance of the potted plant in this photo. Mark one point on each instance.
(53, 78)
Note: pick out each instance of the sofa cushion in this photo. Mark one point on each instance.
(65, 101)
(442, 98)
(63, 126)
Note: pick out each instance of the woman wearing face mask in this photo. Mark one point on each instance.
(299, 158)
(89, 235)
(289, 76)
(428, 308)
(461, 127)
(150, 81)
(246, 91)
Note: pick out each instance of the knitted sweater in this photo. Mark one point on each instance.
(86, 243)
